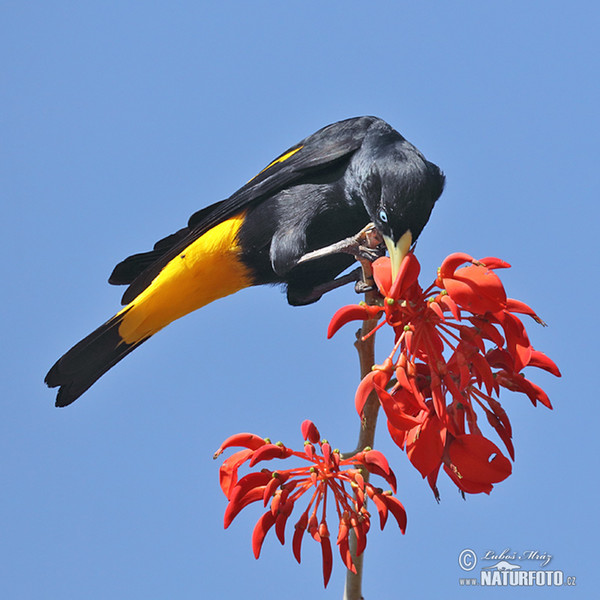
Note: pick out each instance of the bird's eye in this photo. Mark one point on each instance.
(383, 215)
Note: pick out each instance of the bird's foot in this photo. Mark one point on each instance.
(362, 287)
(366, 246)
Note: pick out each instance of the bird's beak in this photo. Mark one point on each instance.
(398, 251)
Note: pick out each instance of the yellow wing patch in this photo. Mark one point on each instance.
(278, 160)
(208, 269)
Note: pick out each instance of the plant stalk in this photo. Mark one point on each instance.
(366, 437)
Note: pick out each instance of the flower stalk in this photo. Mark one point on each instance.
(365, 346)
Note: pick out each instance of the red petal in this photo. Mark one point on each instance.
(268, 452)
(504, 434)
(309, 450)
(327, 559)
(250, 481)
(477, 289)
(353, 312)
(488, 330)
(439, 402)
(379, 376)
(492, 262)
(397, 509)
(376, 458)
(382, 274)
(381, 506)
(408, 339)
(499, 358)
(540, 394)
(281, 520)
(500, 413)
(470, 487)
(453, 389)
(407, 276)
(280, 499)
(397, 435)
(345, 549)
(361, 535)
(450, 305)
(260, 531)
(229, 469)
(364, 389)
(471, 418)
(541, 361)
(389, 477)
(343, 530)
(310, 432)
(300, 528)
(404, 393)
(517, 341)
(483, 371)
(432, 481)
(435, 307)
(271, 487)
(245, 440)
(533, 391)
(394, 410)
(517, 306)
(398, 419)
(326, 451)
(313, 527)
(515, 382)
(402, 377)
(236, 505)
(451, 262)
(478, 460)
(473, 337)
(424, 446)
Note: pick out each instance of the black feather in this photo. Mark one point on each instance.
(88, 360)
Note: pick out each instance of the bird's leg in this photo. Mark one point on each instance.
(366, 245)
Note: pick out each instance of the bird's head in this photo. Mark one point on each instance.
(402, 188)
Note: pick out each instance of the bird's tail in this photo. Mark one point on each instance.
(88, 360)
(207, 269)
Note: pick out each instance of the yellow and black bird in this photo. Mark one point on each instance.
(321, 191)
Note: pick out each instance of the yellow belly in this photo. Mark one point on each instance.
(208, 269)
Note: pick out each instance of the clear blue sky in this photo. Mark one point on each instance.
(120, 119)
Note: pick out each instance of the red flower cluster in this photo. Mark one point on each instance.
(456, 344)
(325, 473)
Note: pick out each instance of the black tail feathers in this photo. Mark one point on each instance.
(88, 360)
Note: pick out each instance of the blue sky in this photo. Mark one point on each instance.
(120, 119)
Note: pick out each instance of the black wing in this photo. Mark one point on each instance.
(314, 153)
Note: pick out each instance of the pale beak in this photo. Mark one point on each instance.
(398, 251)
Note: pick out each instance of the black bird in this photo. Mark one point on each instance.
(323, 190)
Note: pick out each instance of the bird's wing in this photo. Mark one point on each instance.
(315, 153)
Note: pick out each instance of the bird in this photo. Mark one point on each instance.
(316, 194)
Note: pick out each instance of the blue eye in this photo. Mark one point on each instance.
(383, 215)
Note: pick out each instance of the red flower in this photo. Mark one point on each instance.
(456, 344)
(326, 474)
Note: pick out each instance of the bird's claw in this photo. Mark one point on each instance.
(362, 287)
(366, 245)
(367, 253)
(370, 237)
